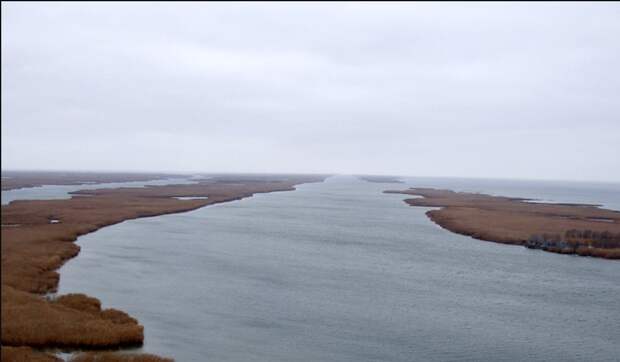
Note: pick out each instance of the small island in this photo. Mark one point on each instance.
(12, 180)
(580, 229)
(381, 179)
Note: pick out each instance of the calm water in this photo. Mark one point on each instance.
(52, 192)
(338, 271)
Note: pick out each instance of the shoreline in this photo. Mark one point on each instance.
(44, 241)
(381, 179)
(564, 228)
(15, 180)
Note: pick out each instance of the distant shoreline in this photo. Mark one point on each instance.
(585, 230)
(381, 179)
(44, 239)
(13, 180)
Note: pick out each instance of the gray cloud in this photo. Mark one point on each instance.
(499, 90)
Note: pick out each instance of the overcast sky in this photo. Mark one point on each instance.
(428, 89)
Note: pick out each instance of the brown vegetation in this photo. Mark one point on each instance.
(582, 242)
(70, 321)
(20, 179)
(32, 251)
(516, 221)
(26, 354)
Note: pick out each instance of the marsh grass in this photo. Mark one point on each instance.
(32, 252)
(74, 320)
(514, 221)
(26, 354)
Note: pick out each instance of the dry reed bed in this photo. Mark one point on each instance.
(33, 251)
(513, 220)
(21, 179)
(26, 354)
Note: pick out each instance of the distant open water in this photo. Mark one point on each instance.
(339, 271)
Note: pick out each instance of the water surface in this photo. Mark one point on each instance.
(338, 271)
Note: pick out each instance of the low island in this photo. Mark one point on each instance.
(12, 180)
(580, 229)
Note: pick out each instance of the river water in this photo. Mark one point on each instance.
(339, 271)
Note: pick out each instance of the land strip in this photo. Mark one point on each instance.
(38, 237)
(21, 179)
(561, 228)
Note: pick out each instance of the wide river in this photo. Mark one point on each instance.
(339, 271)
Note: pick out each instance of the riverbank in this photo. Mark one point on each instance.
(579, 229)
(12, 180)
(37, 238)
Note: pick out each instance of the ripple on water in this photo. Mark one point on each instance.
(340, 271)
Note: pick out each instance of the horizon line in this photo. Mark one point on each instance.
(166, 172)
